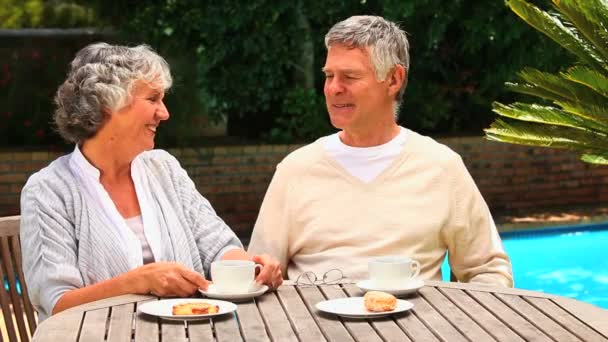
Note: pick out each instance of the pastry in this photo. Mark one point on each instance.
(198, 308)
(377, 301)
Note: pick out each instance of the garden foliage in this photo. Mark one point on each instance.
(572, 105)
(258, 63)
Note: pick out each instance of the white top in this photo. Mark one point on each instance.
(365, 163)
(137, 226)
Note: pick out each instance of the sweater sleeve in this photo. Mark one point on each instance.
(270, 233)
(49, 246)
(475, 251)
(211, 233)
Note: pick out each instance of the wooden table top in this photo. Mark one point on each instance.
(442, 312)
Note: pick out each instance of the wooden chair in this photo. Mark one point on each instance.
(15, 305)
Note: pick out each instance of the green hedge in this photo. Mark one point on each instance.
(258, 63)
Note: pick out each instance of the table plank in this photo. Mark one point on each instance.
(173, 331)
(483, 317)
(542, 322)
(511, 318)
(387, 328)
(226, 328)
(359, 329)
(331, 327)
(566, 319)
(457, 317)
(121, 323)
(276, 320)
(592, 315)
(146, 327)
(94, 325)
(440, 326)
(303, 323)
(61, 328)
(479, 287)
(252, 325)
(200, 330)
(108, 302)
(414, 328)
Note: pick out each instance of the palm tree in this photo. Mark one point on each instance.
(573, 112)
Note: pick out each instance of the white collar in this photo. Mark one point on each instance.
(84, 165)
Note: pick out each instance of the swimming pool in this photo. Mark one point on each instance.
(566, 261)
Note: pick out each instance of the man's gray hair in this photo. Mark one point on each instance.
(387, 43)
(101, 79)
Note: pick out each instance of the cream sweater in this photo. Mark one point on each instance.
(316, 216)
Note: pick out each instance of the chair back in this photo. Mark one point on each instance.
(17, 310)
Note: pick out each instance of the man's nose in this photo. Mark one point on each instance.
(333, 86)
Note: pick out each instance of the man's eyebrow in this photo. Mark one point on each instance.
(345, 71)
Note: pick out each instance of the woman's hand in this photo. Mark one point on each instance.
(271, 271)
(165, 279)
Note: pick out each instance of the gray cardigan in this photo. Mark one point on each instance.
(69, 243)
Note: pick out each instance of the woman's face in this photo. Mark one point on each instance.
(135, 124)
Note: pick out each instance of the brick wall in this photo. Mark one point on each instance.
(511, 177)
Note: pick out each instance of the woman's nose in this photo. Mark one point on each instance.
(163, 112)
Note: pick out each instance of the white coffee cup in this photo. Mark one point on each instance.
(233, 276)
(392, 271)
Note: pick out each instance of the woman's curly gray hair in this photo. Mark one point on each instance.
(101, 79)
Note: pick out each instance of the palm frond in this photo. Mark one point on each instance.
(535, 134)
(587, 17)
(549, 115)
(561, 88)
(555, 29)
(589, 77)
(592, 112)
(595, 158)
(534, 90)
(578, 116)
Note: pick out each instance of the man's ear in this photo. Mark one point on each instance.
(396, 79)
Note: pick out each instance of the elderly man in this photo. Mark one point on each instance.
(375, 188)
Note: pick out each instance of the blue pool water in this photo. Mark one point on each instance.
(567, 261)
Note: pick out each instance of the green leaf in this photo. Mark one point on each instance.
(591, 78)
(549, 115)
(590, 18)
(555, 29)
(534, 90)
(528, 133)
(556, 87)
(595, 158)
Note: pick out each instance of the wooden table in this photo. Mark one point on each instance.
(442, 312)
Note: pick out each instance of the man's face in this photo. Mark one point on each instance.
(355, 98)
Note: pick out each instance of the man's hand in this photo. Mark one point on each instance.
(165, 279)
(270, 274)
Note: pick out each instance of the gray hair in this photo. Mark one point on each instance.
(387, 43)
(101, 79)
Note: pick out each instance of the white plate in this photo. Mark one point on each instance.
(354, 307)
(407, 288)
(212, 292)
(163, 308)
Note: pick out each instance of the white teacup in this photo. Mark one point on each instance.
(392, 271)
(233, 276)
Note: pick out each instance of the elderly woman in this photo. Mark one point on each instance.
(114, 216)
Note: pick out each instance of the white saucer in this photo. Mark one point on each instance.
(163, 308)
(354, 307)
(407, 288)
(212, 292)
